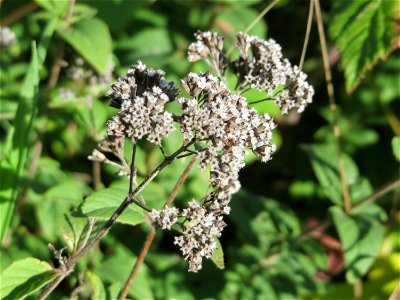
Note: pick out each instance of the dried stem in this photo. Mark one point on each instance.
(96, 175)
(55, 70)
(147, 244)
(333, 108)
(152, 233)
(307, 36)
(379, 193)
(132, 172)
(19, 13)
(70, 265)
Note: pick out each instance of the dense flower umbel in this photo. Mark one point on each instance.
(267, 70)
(219, 120)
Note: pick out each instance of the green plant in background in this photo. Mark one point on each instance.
(314, 231)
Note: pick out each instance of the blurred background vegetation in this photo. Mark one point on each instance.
(288, 236)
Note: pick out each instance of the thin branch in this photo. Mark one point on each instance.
(307, 36)
(260, 100)
(55, 70)
(69, 267)
(333, 108)
(396, 293)
(379, 193)
(18, 14)
(132, 173)
(152, 233)
(138, 263)
(255, 21)
(96, 170)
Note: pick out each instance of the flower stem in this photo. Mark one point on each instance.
(333, 108)
(129, 199)
(152, 233)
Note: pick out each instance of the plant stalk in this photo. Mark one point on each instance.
(150, 237)
(130, 198)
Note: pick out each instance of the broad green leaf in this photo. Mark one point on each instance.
(218, 255)
(104, 203)
(82, 11)
(396, 147)
(91, 39)
(361, 235)
(98, 290)
(24, 277)
(364, 33)
(148, 43)
(54, 203)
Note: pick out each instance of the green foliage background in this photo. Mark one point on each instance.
(269, 249)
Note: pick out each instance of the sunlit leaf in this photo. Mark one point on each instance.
(104, 203)
(364, 33)
(91, 39)
(24, 277)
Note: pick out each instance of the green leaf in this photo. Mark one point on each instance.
(14, 153)
(16, 148)
(143, 43)
(73, 229)
(98, 290)
(92, 40)
(54, 203)
(112, 291)
(324, 160)
(396, 147)
(218, 255)
(104, 203)
(361, 235)
(364, 33)
(24, 277)
(117, 267)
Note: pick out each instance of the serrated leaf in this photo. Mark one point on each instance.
(23, 277)
(92, 40)
(361, 235)
(218, 255)
(104, 203)
(364, 33)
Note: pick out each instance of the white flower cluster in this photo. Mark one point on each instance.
(208, 44)
(141, 94)
(166, 217)
(267, 70)
(7, 37)
(198, 239)
(229, 126)
(221, 121)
